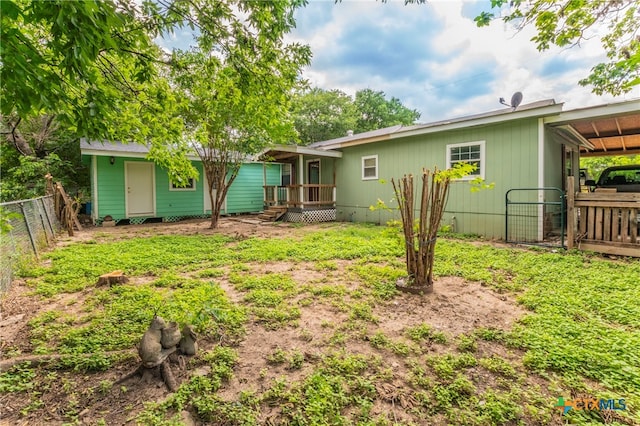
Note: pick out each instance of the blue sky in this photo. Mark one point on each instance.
(434, 58)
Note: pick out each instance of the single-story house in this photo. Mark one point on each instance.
(520, 150)
(526, 152)
(130, 188)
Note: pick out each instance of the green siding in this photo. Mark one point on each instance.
(111, 189)
(273, 173)
(246, 193)
(511, 152)
(326, 171)
(552, 161)
(179, 202)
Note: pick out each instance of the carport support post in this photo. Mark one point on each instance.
(571, 217)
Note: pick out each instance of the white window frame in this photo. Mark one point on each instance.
(186, 188)
(481, 159)
(368, 157)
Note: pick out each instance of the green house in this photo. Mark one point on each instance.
(525, 152)
(130, 188)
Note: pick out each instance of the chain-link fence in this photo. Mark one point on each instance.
(28, 226)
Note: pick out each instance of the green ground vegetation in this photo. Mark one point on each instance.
(580, 333)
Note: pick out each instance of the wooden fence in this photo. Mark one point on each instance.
(604, 222)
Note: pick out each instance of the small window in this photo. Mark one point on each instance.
(190, 185)
(370, 167)
(470, 152)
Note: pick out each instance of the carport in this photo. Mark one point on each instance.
(602, 222)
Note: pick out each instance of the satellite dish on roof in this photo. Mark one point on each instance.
(516, 99)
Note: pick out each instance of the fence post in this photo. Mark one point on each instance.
(26, 222)
(44, 228)
(46, 213)
(571, 217)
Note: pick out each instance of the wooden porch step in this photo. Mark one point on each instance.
(272, 214)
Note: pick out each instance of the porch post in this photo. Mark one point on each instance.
(334, 182)
(264, 185)
(301, 179)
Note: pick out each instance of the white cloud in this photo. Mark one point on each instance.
(436, 60)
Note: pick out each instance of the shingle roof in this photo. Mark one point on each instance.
(113, 147)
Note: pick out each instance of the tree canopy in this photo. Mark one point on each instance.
(320, 114)
(595, 165)
(568, 23)
(326, 114)
(93, 69)
(83, 61)
(235, 87)
(375, 111)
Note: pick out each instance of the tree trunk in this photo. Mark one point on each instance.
(15, 137)
(420, 243)
(215, 211)
(216, 204)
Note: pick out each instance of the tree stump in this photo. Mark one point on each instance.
(114, 277)
(159, 342)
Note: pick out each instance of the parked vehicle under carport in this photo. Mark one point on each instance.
(620, 178)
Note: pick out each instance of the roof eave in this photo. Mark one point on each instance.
(600, 111)
(571, 135)
(457, 124)
(124, 154)
(296, 149)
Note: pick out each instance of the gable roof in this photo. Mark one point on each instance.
(535, 109)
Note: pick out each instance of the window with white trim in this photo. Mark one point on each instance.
(468, 152)
(370, 167)
(190, 185)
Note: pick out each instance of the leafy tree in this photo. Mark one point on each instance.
(81, 69)
(376, 112)
(568, 22)
(595, 165)
(326, 114)
(236, 91)
(45, 147)
(82, 61)
(321, 115)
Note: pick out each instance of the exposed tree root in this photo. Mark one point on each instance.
(162, 371)
(37, 360)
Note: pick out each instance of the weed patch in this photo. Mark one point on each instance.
(582, 323)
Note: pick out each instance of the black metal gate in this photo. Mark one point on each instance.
(535, 216)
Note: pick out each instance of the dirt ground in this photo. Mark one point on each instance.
(455, 307)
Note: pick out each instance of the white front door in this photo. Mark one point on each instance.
(139, 182)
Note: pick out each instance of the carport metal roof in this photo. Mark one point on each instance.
(612, 129)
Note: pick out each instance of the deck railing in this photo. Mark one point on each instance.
(301, 196)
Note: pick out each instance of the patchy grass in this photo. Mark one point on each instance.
(342, 353)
